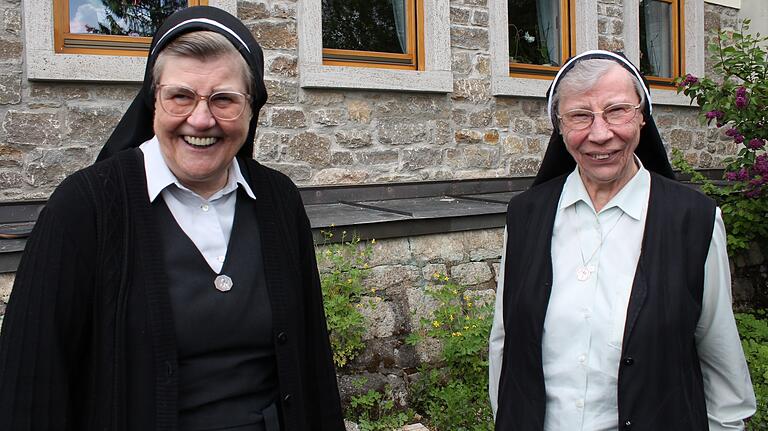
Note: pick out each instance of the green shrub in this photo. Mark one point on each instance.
(453, 395)
(345, 265)
(738, 102)
(753, 328)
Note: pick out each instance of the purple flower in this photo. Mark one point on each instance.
(689, 80)
(743, 174)
(761, 166)
(711, 115)
(741, 92)
(731, 176)
(731, 132)
(739, 138)
(756, 144)
(741, 102)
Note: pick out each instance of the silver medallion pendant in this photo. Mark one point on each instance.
(223, 283)
(582, 273)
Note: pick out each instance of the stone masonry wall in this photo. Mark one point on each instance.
(50, 129)
(401, 271)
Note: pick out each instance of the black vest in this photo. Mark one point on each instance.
(659, 384)
(227, 368)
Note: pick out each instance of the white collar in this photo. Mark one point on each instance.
(159, 176)
(631, 199)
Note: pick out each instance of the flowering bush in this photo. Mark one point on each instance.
(737, 102)
(453, 395)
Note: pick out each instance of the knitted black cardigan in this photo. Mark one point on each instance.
(88, 340)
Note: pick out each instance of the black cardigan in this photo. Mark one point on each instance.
(88, 338)
(660, 383)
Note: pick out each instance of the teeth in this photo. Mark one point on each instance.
(200, 142)
(601, 156)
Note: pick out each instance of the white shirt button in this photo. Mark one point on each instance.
(204, 207)
(582, 359)
(220, 258)
(579, 403)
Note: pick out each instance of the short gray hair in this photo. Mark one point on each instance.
(202, 45)
(583, 76)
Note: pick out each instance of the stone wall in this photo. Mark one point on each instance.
(50, 129)
(401, 270)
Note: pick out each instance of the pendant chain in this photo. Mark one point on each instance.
(584, 271)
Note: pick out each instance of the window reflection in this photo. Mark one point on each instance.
(535, 32)
(120, 17)
(656, 50)
(365, 25)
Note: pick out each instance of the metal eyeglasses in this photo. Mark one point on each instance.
(181, 101)
(617, 114)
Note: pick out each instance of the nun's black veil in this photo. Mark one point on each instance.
(557, 161)
(136, 125)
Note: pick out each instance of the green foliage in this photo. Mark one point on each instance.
(738, 102)
(453, 395)
(345, 265)
(375, 411)
(753, 328)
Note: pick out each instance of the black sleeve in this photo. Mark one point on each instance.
(45, 328)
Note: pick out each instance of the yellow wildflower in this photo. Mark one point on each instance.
(436, 323)
(373, 241)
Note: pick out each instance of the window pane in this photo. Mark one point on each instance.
(365, 25)
(120, 17)
(535, 32)
(656, 38)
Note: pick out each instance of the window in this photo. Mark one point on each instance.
(110, 27)
(358, 50)
(524, 64)
(684, 51)
(661, 40)
(541, 36)
(102, 63)
(372, 33)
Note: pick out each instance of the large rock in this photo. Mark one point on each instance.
(471, 273)
(403, 132)
(311, 148)
(43, 129)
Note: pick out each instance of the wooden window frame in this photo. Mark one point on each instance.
(677, 16)
(65, 42)
(567, 41)
(413, 60)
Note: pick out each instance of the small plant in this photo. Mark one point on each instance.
(375, 411)
(345, 265)
(453, 395)
(737, 102)
(753, 328)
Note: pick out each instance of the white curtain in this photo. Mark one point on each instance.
(398, 7)
(548, 15)
(658, 37)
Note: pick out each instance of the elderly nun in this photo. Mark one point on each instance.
(613, 308)
(173, 284)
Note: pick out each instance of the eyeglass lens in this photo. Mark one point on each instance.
(620, 113)
(182, 101)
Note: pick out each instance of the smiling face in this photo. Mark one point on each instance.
(199, 148)
(604, 152)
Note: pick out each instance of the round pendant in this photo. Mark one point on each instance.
(582, 273)
(223, 283)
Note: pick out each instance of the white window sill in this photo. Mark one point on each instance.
(525, 87)
(364, 78)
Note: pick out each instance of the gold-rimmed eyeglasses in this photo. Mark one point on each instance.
(616, 114)
(181, 101)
